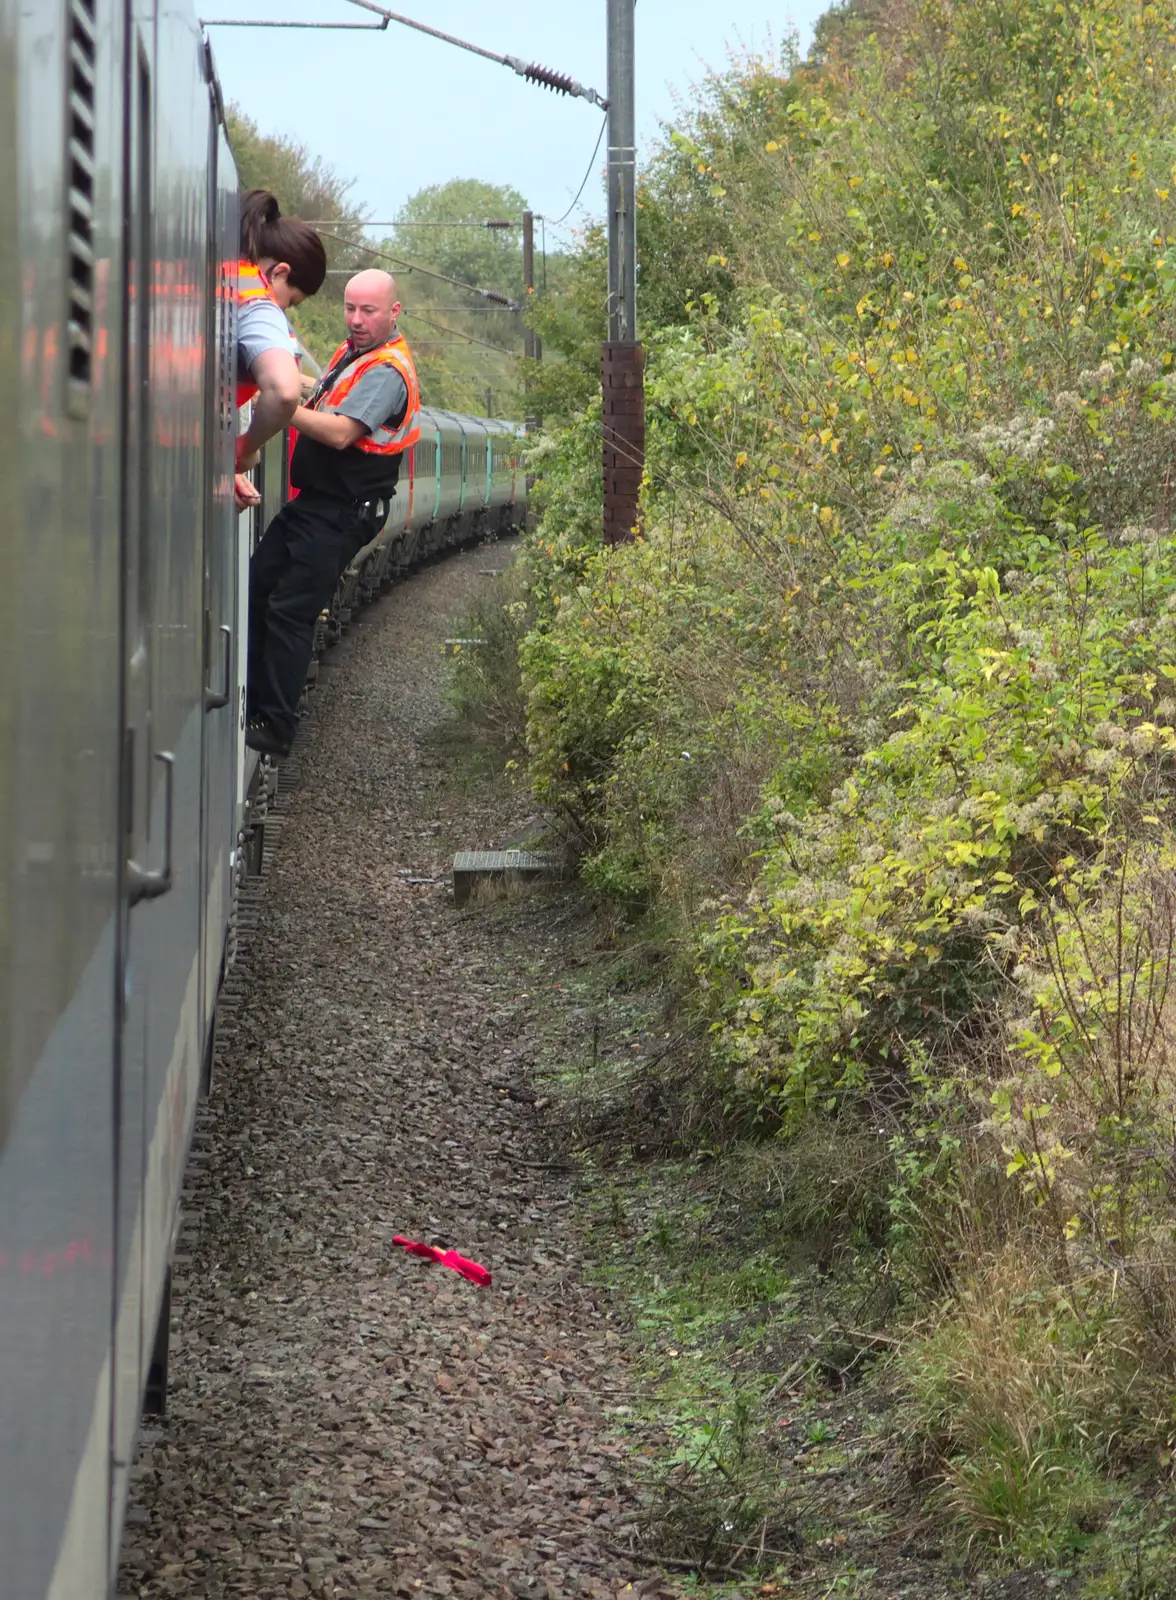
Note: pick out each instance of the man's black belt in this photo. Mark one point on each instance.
(373, 505)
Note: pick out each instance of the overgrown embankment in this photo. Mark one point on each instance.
(869, 739)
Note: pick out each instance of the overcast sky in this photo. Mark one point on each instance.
(397, 110)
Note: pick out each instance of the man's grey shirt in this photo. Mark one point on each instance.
(380, 398)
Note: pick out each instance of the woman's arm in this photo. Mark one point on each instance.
(279, 383)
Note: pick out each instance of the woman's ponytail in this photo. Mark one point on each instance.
(267, 234)
(259, 211)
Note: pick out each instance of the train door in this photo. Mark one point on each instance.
(146, 848)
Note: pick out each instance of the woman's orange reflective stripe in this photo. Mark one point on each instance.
(250, 286)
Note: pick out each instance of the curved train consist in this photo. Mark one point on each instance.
(127, 797)
(461, 481)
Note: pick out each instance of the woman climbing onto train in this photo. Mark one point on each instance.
(282, 263)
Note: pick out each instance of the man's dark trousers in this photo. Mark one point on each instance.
(292, 576)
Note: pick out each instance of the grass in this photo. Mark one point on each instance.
(730, 1373)
(484, 682)
(757, 1425)
(708, 1325)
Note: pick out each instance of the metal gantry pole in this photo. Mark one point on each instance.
(622, 361)
(622, 173)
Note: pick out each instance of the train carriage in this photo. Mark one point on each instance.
(127, 798)
(506, 487)
(117, 762)
(433, 509)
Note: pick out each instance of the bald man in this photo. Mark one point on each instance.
(357, 423)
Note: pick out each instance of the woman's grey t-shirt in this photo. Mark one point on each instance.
(261, 326)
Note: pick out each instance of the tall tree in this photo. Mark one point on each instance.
(441, 228)
(304, 184)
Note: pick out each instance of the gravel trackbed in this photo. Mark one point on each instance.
(345, 1419)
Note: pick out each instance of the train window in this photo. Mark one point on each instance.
(80, 78)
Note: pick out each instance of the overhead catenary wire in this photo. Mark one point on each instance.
(252, 22)
(492, 295)
(560, 82)
(463, 311)
(470, 338)
(494, 222)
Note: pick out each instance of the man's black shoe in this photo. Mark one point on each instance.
(260, 736)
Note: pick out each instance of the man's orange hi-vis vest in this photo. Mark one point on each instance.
(384, 440)
(250, 286)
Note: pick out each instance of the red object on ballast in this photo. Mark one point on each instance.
(447, 1258)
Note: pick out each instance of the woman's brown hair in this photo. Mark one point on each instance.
(265, 232)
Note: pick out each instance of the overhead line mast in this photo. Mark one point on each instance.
(622, 367)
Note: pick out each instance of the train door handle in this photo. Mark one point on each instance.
(214, 699)
(142, 884)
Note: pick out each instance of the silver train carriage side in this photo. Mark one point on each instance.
(125, 793)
